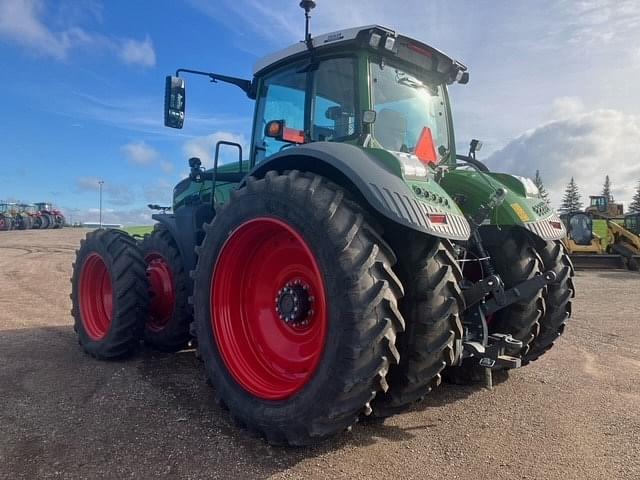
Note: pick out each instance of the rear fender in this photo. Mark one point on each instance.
(377, 183)
(185, 226)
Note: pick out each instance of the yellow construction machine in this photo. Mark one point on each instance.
(602, 237)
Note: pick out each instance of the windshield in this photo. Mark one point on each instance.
(404, 106)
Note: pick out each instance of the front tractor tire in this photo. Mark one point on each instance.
(557, 297)
(45, 221)
(515, 259)
(296, 308)
(167, 327)
(109, 294)
(432, 307)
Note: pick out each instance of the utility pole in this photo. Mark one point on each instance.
(100, 182)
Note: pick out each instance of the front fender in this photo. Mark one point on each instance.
(472, 189)
(378, 182)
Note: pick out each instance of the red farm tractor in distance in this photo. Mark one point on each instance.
(47, 217)
(349, 261)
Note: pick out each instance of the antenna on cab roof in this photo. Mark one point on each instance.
(308, 5)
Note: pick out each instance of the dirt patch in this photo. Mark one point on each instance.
(573, 414)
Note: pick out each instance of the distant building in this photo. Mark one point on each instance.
(104, 225)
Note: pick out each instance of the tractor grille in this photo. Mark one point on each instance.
(544, 229)
(413, 211)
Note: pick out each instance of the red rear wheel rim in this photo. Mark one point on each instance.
(264, 269)
(163, 296)
(96, 297)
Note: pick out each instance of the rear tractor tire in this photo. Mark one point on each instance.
(45, 221)
(296, 308)
(432, 307)
(557, 298)
(167, 327)
(5, 223)
(109, 294)
(515, 259)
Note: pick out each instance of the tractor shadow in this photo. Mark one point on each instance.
(151, 414)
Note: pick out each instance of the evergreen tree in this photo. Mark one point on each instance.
(635, 203)
(606, 189)
(571, 200)
(543, 192)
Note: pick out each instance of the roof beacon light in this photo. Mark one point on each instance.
(374, 40)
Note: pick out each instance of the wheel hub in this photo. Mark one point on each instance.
(261, 273)
(294, 303)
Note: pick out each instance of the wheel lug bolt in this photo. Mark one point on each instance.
(311, 298)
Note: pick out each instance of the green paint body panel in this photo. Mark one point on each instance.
(426, 190)
(472, 189)
(203, 189)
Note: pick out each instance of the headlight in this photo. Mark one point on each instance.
(529, 187)
(412, 167)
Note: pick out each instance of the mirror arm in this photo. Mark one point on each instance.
(245, 85)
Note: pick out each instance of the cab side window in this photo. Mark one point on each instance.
(334, 111)
(282, 99)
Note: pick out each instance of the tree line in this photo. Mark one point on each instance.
(571, 200)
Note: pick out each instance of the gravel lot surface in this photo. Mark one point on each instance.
(574, 414)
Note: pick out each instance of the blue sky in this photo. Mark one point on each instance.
(553, 87)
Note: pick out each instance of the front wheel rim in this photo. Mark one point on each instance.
(268, 308)
(96, 297)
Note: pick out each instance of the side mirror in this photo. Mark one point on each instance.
(174, 102)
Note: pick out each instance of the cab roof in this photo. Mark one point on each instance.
(407, 48)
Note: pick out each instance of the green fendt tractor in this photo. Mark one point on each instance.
(347, 258)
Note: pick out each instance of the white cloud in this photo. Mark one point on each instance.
(138, 53)
(166, 167)
(87, 184)
(21, 22)
(159, 192)
(564, 107)
(587, 146)
(140, 153)
(203, 148)
(114, 193)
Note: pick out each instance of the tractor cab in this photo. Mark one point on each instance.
(599, 202)
(27, 208)
(601, 206)
(43, 207)
(579, 228)
(632, 222)
(367, 86)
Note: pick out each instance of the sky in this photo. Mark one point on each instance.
(553, 88)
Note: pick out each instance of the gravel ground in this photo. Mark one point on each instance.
(573, 414)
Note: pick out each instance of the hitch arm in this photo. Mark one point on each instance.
(526, 289)
(479, 290)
